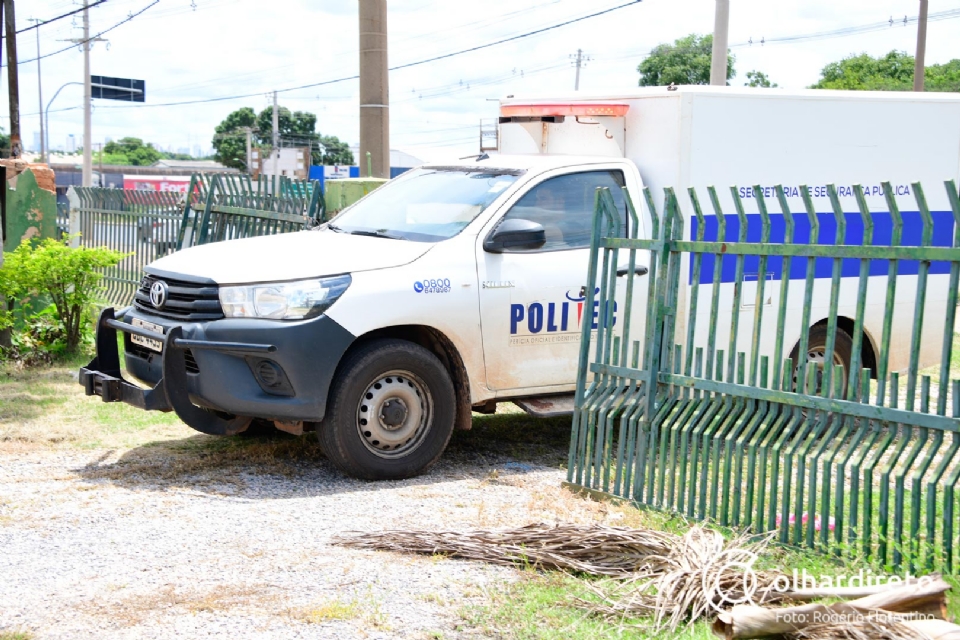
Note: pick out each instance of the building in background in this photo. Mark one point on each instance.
(293, 162)
(71, 143)
(400, 161)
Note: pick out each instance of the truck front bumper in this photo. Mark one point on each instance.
(219, 375)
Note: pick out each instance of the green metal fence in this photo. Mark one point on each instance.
(861, 462)
(229, 206)
(150, 224)
(143, 224)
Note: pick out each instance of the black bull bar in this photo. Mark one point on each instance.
(102, 377)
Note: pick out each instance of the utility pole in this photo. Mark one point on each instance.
(919, 70)
(13, 83)
(718, 63)
(43, 140)
(579, 60)
(247, 131)
(374, 87)
(87, 97)
(276, 134)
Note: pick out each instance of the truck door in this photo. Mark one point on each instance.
(532, 301)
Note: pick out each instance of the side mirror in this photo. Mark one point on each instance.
(515, 233)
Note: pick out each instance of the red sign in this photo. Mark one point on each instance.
(178, 184)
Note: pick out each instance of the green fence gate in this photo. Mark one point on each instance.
(861, 461)
(228, 207)
(150, 224)
(143, 224)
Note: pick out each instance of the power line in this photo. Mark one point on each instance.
(948, 14)
(398, 67)
(94, 37)
(518, 37)
(42, 23)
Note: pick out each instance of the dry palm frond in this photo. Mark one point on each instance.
(595, 549)
(704, 572)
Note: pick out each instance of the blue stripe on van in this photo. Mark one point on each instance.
(882, 232)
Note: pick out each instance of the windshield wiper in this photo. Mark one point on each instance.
(375, 234)
(335, 228)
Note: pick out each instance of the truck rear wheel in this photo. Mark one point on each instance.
(816, 352)
(391, 412)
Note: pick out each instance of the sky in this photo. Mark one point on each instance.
(196, 50)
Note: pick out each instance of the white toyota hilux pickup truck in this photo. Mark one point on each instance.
(458, 286)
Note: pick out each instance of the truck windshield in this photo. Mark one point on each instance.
(425, 205)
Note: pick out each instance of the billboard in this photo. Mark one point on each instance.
(180, 184)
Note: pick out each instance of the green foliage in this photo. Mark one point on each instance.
(295, 128)
(335, 151)
(4, 144)
(130, 151)
(229, 141)
(66, 276)
(686, 61)
(758, 79)
(891, 72)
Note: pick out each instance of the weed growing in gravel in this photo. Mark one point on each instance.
(327, 611)
(15, 635)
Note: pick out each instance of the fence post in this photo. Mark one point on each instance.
(74, 201)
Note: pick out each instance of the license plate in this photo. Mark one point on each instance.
(149, 343)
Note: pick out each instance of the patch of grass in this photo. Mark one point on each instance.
(45, 406)
(16, 635)
(540, 607)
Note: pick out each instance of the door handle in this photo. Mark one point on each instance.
(638, 270)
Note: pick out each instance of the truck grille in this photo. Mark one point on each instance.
(189, 301)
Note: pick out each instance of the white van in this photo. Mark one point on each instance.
(458, 286)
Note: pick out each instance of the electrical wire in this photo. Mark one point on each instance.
(948, 14)
(43, 23)
(396, 68)
(93, 37)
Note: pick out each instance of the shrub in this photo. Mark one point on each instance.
(68, 277)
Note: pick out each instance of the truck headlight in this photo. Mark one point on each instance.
(296, 300)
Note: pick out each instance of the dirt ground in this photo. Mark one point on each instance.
(120, 524)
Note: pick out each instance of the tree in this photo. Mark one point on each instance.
(686, 61)
(943, 77)
(229, 140)
(891, 72)
(295, 128)
(335, 151)
(130, 151)
(758, 79)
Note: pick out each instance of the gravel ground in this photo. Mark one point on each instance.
(95, 546)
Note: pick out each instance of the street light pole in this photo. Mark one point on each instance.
(43, 140)
(46, 112)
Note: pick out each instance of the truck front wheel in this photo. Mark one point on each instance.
(391, 411)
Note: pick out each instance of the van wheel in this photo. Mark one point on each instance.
(816, 352)
(391, 412)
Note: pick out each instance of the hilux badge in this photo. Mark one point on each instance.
(158, 294)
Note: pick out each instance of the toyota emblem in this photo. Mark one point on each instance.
(158, 294)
